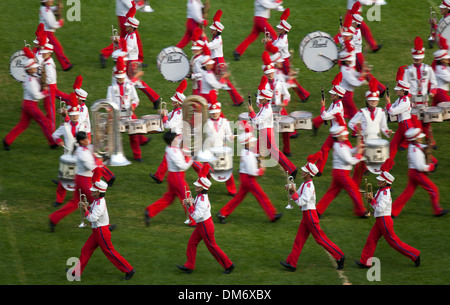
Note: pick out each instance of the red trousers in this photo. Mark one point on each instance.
(106, 52)
(136, 140)
(151, 94)
(349, 105)
(358, 172)
(101, 237)
(49, 105)
(205, 231)
(30, 111)
(191, 25)
(176, 187)
(162, 168)
(310, 225)
(341, 180)
(234, 94)
(266, 137)
(440, 96)
(384, 226)
(249, 184)
(399, 137)
(417, 178)
(260, 25)
(301, 92)
(82, 183)
(325, 149)
(58, 50)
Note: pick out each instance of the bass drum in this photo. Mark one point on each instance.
(67, 171)
(376, 153)
(16, 66)
(223, 165)
(173, 64)
(319, 52)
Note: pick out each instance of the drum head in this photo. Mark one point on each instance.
(68, 159)
(68, 184)
(319, 52)
(222, 150)
(376, 143)
(221, 176)
(173, 64)
(301, 114)
(17, 66)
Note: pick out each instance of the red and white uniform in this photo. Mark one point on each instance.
(194, 19)
(343, 161)
(30, 111)
(51, 81)
(402, 109)
(248, 172)
(261, 14)
(305, 197)
(350, 80)
(365, 30)
(83, 181)
(384, 226)
(422, 81)
(177, 164)
(201, 213)
(264, 121)
(101, 237)
(196, 73)
(47, 17)
(418, 171)
(442, 73)
(209, 82)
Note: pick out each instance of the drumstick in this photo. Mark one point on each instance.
(340, 20)
(387, 90)
(333, 60)
(323, 98)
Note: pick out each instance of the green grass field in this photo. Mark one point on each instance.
(31, 255)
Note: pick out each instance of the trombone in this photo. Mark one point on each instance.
(82, 204)
(187, 199)
(289, 182)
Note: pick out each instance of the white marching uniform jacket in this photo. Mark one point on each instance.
(176, 161)
(216, 46)
(262, 7)
(416, 158)
(132, 46)
(32, 89)
(281, 93)
(125, 100)
(330, 113)
(356, 41)
(122, 7)
(84, 118)
(218, 132)
(343, 156)
(401, 108)
(50, 71)
(264, 118)
(210, 82)
(382, 202)
(201, 210)
(442, 73)
(371, 129)
(282, 44)
(174, 121)
(85, 161)
(98, 213)
(196, 71)
(47, 17)
(249, 163)
(351, 78)
(68, 131)
(305, 197)
(420, 86)
(194, 10)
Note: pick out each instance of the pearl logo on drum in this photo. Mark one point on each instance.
(319, 44)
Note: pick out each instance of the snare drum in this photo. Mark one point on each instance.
(418, 112)
(173, 64)
(303, 119)
(224, 158)
(17, 66)
(284, 124)
(445, 106)
(376, 150)
(153, 122)
(67, 167)
(319, 52)
(124, 123)
(433, 115)
(137, 126)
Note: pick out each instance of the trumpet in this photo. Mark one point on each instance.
(289, 182)
(115, 38)
(82, 205)
(432, 22)
(267, 36)
(162, 112)
(369, 190)
(188, 201)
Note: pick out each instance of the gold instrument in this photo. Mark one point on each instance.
(59, 10)
(289, 182)
(115, 38)
(267, 36)
(188, 198)
(429, 148)
(195, 116)
(106, 135)
(82, 204)
(43, 76)
(368, 190)
(432, 21)
(162, 112)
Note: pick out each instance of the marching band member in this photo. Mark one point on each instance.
(344, 157)
(195, 11)
(351, 31)
(97, 215)
(200, 211)
(123, 9)
(261, 14)
(32, 93)
(177, 164)
(305, 198)
(83, 179)
(444, 9)
(47, 17)
(195, 62)
(401, 108)
(384, 225)
(442, 72)
(124, 95)
(249, 170)
(216, 48)
(282, 44)
(218, 132)
(419, 167)
(370, 122)
(65, 137)
(264, 121)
